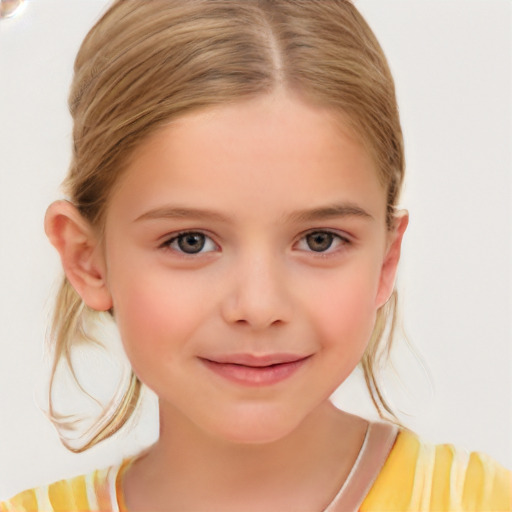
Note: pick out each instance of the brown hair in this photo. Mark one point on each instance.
(146, 62)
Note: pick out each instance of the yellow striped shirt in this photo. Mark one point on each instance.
(416, 477)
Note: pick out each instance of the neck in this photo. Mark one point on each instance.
(188, 469)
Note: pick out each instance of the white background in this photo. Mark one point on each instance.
(452, 64)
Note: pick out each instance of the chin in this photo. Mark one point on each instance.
(263, 427)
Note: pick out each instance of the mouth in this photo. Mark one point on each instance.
(251, 370)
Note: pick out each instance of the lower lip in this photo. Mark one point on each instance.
(255, 376)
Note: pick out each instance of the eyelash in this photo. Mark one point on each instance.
(336, 239)
(168, 244)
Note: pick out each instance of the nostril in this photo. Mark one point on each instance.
(259, 322)
(257, 300)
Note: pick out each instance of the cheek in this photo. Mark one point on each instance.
(347, 320)
(344, 309)
(157, 311)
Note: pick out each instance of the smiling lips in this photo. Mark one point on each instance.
(249, 370)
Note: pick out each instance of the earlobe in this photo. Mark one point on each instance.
(80, 253)
(390, 264)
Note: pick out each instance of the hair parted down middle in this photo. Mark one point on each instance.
(146, 63)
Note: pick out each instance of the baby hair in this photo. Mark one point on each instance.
(146, 63)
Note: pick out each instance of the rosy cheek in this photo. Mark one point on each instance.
(348, 321)
(157, 312)
(346, 314)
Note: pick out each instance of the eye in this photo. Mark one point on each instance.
(321, 241)
(191, 242)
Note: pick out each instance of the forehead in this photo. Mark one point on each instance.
(276, 150)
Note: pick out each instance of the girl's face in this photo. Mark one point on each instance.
(246, 255)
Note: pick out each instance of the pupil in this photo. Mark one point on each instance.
(191, 243)
(319, 242)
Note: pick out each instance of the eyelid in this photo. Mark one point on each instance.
(168, 239)
(343, 238)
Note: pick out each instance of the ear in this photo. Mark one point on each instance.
(390, 264)
(80, 253)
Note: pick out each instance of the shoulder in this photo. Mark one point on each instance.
(94, 491)
(422, 476)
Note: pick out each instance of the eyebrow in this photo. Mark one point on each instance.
(177, 212)
(307, 215)
(329, 212)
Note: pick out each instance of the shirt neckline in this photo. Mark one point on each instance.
(378, 442)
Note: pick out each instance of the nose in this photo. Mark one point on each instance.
(258, 296)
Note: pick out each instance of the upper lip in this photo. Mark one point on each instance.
(256, 361)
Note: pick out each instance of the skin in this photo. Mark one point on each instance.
(272, 182)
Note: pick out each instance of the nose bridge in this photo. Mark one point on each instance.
(258, 296)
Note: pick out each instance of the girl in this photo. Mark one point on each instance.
(232, 205)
